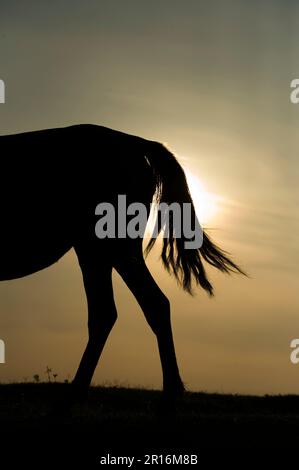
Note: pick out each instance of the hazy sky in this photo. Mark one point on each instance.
(212, 79)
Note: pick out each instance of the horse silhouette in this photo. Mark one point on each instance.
(51, 182)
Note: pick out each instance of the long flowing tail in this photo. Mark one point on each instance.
(186, 264)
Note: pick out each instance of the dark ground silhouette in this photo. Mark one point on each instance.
(218, 428)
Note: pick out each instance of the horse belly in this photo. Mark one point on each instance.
(27, 246)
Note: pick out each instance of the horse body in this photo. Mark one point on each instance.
(51, 182)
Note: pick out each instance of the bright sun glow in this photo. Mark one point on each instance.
(204, 202)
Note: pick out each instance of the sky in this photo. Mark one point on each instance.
(212, 80)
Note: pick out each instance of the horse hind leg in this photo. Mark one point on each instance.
(156, 309)
(102, 314)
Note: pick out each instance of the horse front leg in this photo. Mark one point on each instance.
(102, 315)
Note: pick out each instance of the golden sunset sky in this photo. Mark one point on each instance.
(212, 80)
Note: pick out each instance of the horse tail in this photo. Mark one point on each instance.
(186, 264)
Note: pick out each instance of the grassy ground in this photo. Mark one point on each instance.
(37, 426)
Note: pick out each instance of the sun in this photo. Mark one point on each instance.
(205, 203)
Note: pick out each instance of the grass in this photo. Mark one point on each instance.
(35, 421)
